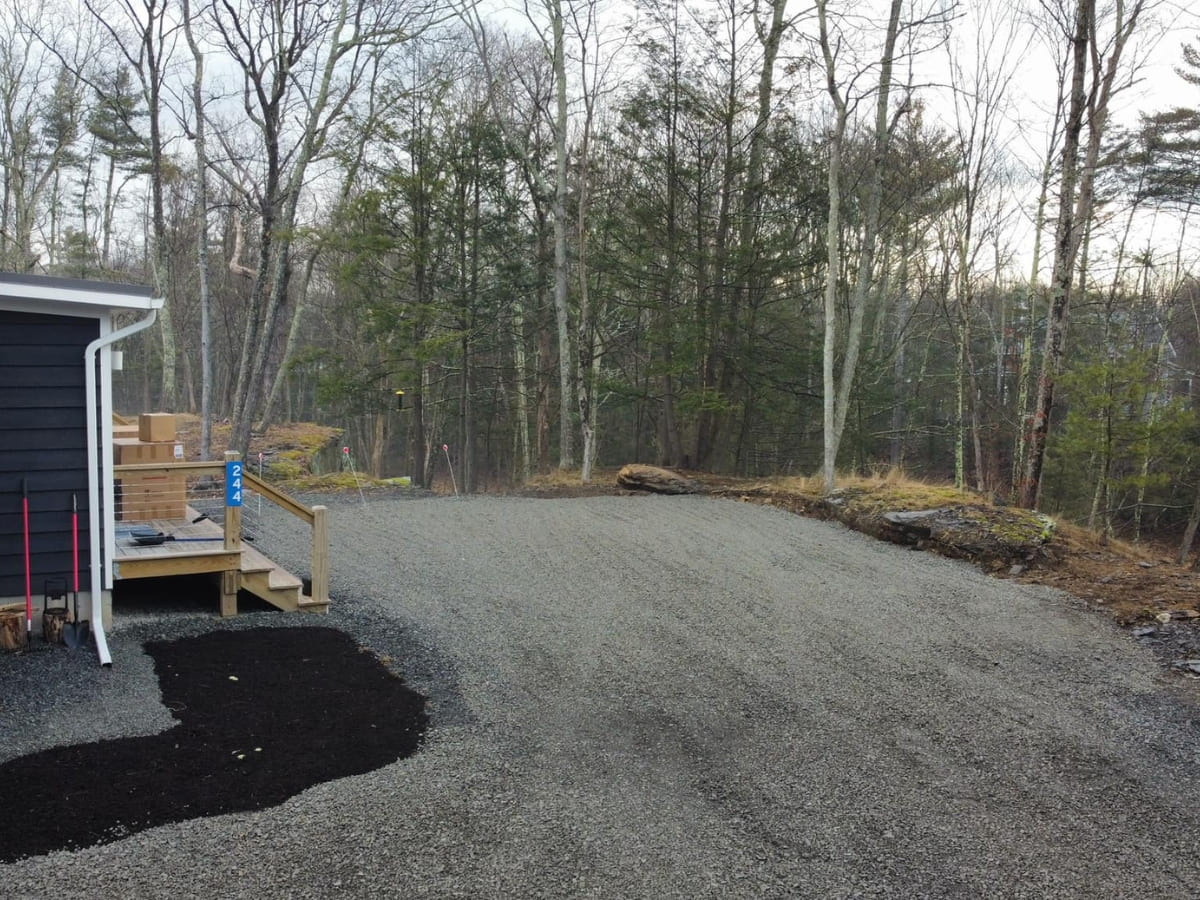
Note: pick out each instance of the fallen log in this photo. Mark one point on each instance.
(658, 481)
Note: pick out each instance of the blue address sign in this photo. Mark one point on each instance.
(233, 483)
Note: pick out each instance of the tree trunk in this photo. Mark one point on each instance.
(379, 444)
(896, 450)
(1024, 420)
(1189, 534)
(107, 217)
(836, 407)
(1075, 211)
(670, 444)
(416, 437)
(566, 434)
(1065, 247)
(833, 264)
(746, 275)
(521, 381)
(293, 337)
(202, 239)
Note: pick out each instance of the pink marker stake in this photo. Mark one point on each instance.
(347, 461)
(446, 450)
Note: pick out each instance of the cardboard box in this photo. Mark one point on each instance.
(146, 496)
(153, 427)
(131, 451)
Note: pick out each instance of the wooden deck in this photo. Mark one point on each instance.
(220, 553)
(134, 560)
(256, 572)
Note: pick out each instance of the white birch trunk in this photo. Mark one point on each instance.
(836, 407)
(202, 238)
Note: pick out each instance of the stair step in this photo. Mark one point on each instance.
(309, 605)
(282, 580)
(277, 587)
(253, 561)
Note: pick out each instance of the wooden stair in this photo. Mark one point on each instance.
(274, 584)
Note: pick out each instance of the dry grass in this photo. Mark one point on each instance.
(289, 448)
(888, 487)
(1079, 539)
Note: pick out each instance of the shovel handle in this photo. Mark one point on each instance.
(28, 569)
(75, 545)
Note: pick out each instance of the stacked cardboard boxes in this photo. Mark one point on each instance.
(143, 496)
(156, 427)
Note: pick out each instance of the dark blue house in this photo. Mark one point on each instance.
(56, 338)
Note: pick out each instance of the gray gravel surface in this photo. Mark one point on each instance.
(674, 697)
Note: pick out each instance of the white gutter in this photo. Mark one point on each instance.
(93, 449)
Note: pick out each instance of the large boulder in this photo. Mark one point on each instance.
(984, 534)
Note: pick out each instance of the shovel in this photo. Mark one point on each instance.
(75, 633)
(28, 568)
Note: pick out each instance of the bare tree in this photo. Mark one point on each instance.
(837, 393)
(144, 33)
(1045, 179)
(594, 69)
(981, 95)
(1096, 62)
(37, 131)
(301, 62)
(558, 57)
(200, 141)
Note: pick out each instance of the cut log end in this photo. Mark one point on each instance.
(53, 621)
(12, 630)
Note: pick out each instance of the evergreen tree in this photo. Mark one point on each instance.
(113, 123)
(1171, 144)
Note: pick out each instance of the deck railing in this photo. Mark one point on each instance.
(164, 491)
(317, 517)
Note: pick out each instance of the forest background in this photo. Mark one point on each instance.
(753, 237)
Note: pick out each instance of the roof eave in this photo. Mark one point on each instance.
(66, 293)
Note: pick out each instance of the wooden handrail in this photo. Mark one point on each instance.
(187, 468)
(317, 517)
(278, 497)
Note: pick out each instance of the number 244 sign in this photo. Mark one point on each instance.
(233, 484)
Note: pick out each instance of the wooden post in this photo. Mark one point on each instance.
(320, 555)
(231, 579)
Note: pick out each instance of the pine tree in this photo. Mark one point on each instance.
(1171, 142)
(113, 125)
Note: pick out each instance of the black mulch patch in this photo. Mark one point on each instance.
(263, 714)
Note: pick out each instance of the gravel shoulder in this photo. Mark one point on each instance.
(676, 697)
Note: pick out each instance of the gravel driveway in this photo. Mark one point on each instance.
(681, 697)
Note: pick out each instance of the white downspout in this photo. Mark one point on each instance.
(93, 449)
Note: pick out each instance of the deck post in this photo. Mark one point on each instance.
(320, 555)
(231, 579)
